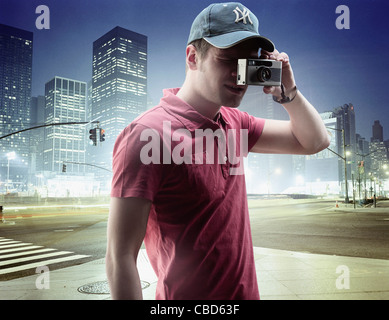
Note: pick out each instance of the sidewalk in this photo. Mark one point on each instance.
(282, 275)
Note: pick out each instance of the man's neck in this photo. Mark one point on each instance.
(197, 102)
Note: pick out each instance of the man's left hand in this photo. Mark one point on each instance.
(287, 73)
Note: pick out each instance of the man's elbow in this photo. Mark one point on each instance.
(319, 145)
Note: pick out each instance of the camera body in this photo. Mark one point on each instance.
(260, 72)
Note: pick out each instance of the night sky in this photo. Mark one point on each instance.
(332, 67)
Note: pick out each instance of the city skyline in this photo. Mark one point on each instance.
(328, 63)
(120, 69)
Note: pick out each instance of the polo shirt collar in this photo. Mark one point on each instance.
(186, 114)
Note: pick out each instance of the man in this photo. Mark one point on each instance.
(171, 190)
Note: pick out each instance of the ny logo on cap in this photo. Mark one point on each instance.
(245, 14)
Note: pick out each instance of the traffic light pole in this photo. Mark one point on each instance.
(48, 125)
(87, 164)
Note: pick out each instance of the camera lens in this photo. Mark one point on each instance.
(264, 74)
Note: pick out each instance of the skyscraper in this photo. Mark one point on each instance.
(65, 102)
(15, 98)
(37, 137)
(119, 85)
(378, 132)
(346, 120)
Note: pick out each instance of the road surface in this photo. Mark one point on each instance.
(64, 236)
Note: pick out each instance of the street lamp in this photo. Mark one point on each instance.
(10, 156)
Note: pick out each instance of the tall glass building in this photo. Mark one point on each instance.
(346, 121)
(65, 102)
(119, 86)
(15, 98)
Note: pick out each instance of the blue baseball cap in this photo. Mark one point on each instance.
(224, 25)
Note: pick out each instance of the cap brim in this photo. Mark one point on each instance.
(228, 40)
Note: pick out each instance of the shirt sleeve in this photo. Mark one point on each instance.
(134, 175)
(254, 126)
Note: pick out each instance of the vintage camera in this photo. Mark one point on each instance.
(260, 72)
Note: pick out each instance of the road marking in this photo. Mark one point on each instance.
(19, 249)
(14, 245)
(18, 256)
(36, 257)
(24, 253)
(42, 263)
(7, 241)
(2, 240)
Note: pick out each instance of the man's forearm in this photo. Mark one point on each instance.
(126, 229)
(307, 125)
(123, 278)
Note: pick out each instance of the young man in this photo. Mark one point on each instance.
(175, 185)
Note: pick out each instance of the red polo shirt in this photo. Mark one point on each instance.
(198, 236)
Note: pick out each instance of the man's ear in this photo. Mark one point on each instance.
(191, 57)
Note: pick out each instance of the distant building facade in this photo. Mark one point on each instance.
(16, 47)
(119, 87)
(378, 132)
(65, 101)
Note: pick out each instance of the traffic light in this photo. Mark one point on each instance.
(93, 136)
(64, 168)
(361, 167)
(102, 135)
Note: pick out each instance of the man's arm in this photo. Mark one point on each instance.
(305, 132)
(126, 230)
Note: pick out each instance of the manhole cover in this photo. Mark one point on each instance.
(101, 287)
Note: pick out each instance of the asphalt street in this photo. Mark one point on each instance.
(318, 227)
(73, 232)
(78, 235)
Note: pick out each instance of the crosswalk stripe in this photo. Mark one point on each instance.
(24, 253)
(15, 245)
(8, 242)
(3, 239)
(24, 256)
(37, 257)
(42, 263)
(19, 249)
